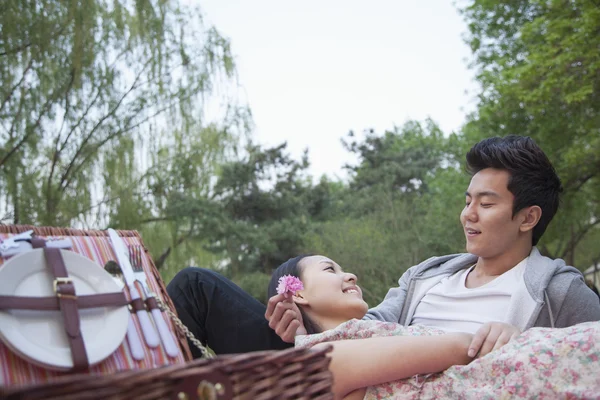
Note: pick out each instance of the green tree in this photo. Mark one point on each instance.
(102, 118)
(539, 68)
(254, 218)
(84, 86)
(399, 159)
(265, 207)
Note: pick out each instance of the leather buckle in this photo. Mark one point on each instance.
(60, 281)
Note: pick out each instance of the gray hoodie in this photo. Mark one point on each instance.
(551, 294)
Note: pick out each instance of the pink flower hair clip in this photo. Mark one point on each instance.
(289, 285)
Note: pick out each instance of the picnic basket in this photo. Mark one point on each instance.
(285, 374)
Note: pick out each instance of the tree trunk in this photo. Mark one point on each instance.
(570, 256)
(15, 199)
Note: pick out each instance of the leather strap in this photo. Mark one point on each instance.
(38, 242)
(137, 305)
(116, 299)
(151, 303)
(67, 299)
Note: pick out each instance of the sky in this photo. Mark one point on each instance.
(311, 71)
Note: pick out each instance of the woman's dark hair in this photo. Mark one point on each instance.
(533, 180)
(292, 267)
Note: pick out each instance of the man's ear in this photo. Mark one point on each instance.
(299, 299)
(530, 217)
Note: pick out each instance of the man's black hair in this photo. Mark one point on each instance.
(533, 180)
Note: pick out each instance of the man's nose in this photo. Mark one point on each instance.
(470, 212)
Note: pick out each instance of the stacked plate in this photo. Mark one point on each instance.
(39, 336)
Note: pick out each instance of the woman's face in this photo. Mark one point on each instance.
(329, 293)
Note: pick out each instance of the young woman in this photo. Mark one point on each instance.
(375, 363)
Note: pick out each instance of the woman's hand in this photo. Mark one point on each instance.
(284, 318)
(491, 336)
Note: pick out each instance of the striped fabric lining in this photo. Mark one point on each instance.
(14, 370)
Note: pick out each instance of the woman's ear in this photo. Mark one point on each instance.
(299, 299)
(531, 216)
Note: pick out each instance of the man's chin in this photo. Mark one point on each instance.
(477, 251)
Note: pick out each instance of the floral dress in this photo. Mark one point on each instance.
(541, 363)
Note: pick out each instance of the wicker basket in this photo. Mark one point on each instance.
(266, 375)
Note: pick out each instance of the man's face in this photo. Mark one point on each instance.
(487, 219)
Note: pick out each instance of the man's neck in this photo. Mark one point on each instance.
(491, 267)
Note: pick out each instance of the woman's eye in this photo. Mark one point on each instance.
(329, 269)
(467, 204)
(486, 205)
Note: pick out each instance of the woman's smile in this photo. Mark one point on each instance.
(324, 281)
(353, 290)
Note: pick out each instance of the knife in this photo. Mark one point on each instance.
(122, 254)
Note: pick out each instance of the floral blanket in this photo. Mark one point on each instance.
(541, 363)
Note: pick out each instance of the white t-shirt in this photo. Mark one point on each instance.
(452, 307)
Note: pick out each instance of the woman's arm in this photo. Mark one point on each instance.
(360, 363)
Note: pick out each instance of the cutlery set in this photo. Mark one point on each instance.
(129, 259)
(127, 270)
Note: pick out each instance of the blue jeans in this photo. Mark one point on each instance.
(220, 314)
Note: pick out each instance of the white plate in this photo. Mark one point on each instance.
(39, 336)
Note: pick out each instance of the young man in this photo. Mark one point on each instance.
(512, 197)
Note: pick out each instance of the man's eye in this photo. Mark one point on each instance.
(486, 205)
(467, 204)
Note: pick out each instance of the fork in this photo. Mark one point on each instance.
(135, 257)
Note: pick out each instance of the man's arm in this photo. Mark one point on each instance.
(390, 308)
(580, 305)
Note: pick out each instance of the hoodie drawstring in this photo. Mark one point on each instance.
(549, 309)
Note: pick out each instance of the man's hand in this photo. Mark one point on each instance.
(284, 318)
(491, 336)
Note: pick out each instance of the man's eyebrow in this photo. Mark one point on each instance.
(484, 193)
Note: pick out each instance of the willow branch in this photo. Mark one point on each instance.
(109, 114)
(14, 88)
(57, 151)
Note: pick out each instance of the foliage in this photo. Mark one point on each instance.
(538, 65)
(399, 159)
(265, 210)
(102, 117)
(84, 86)
(255, 217)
